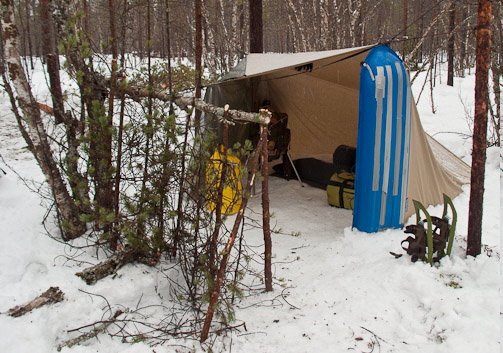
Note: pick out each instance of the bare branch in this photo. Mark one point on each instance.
(263, 117)
(50, 296)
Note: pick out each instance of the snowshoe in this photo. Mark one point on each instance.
(417, 243)
(431, 234)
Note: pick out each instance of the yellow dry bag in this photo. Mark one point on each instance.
(231, 200)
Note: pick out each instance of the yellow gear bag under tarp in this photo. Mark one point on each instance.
(341, 190)
(232, 192)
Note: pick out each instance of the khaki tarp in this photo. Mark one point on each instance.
(320, 91)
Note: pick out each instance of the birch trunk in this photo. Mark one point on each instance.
(292, 19)
(297, 24)
(324, 28)
(72, 226)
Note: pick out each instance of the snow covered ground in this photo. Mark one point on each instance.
(336, 289)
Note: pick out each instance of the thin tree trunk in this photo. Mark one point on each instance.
(432, 86)
(144, 194)
(72, 226)
(86, 16)
(236, 31)
(266, 225)
(181, 192)
(28, 34)
(215, 291)
(464, 42)
(213, 256)
(354, 9)
(167, 145)
(120, 134)
(12, 98)
(404, 26)
(76, 180)
(52, 61)
(450, 44)
(324, 27)
(363, 22)
(497, 69)
(93, 93)
(293, 20)
(198, 59)
(256, 27)
(242, 36)
(483, 60)
(297, 19)
(114, 235)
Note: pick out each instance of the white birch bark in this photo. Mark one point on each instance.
(296, 20)
(72, 226)
(325, 27)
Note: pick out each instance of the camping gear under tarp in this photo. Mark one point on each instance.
(320, 93)
(344, 158)
(314, 172)
(341, 190)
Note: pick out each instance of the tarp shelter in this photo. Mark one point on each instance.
(321, 93)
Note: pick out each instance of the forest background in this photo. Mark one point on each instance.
(418, 29)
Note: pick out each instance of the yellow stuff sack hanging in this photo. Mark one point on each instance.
(231, 199)
(341, 190)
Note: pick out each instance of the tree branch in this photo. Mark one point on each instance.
(50, 296)
(262, 117)
(93, 333)
(110, 266)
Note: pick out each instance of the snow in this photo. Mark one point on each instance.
(335, 289)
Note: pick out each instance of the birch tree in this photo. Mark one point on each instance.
(71, 224)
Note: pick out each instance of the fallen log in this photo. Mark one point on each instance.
(111, 265)
(50, 296)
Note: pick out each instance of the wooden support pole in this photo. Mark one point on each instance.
(215, 291)
(266, 225)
